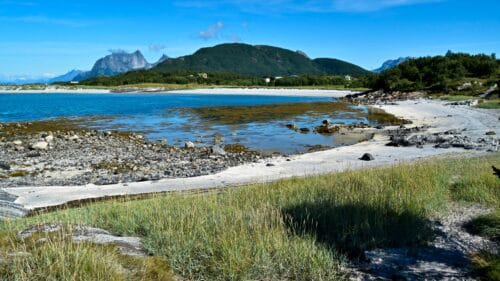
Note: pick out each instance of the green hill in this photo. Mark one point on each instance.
(244, 60)
(258, 61)
(339, 67)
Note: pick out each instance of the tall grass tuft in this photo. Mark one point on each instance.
(296, 229)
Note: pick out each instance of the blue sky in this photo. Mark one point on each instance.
(52, 37)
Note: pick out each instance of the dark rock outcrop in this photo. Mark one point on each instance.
(367, 157)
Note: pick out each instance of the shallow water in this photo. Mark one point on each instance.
(171, 117)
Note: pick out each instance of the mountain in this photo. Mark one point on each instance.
(162, 59)
(339, 67)
(68, 77)
(391, 64)
(114, 64)
(24, 79)
(256, 61)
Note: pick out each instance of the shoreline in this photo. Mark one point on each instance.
(268, 92)
(56, 91)
(199, 91)
(436, 114)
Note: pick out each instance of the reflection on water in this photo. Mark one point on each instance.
(258, 122)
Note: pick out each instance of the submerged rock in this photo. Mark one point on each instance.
(326, 129)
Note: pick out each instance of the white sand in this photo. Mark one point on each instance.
(51, 90)
(208, 91)
(268, 92)
(433, 113)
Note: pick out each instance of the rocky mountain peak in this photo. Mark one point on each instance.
(116, 63)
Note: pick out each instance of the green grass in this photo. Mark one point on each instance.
(58, 258)
(487, 226)
(296, 229)
(456, 97)
(483, 103)
(487, 266)
(490, 104)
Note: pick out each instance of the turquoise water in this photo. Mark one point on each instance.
(154, 115)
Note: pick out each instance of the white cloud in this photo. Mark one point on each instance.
(212, 32)
(156, 48)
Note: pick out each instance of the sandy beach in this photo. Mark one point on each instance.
(269, 92)
(440, 117)
(201, 91)
(51, 90)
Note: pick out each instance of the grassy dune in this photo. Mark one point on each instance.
(297, 229)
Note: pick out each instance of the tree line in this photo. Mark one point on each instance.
(437, 74)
